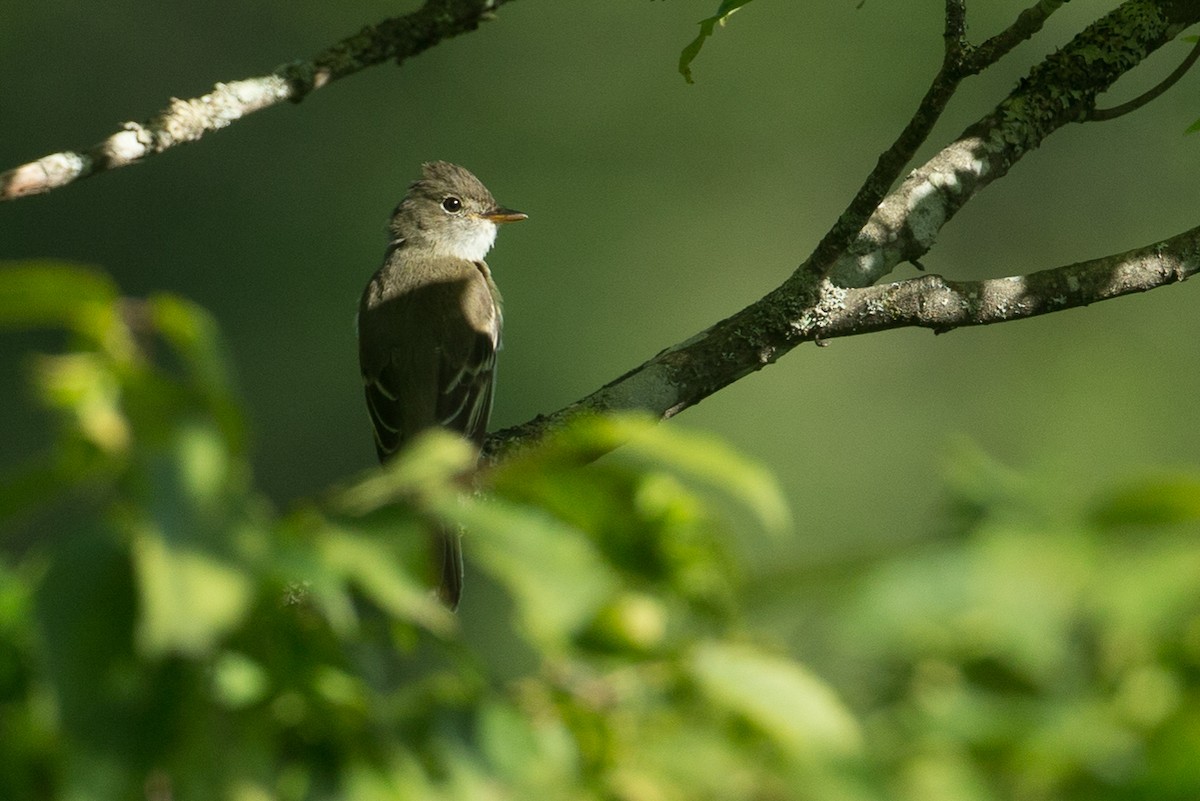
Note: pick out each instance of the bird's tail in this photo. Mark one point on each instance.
(447, 547)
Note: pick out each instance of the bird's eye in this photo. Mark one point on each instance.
(452, 204)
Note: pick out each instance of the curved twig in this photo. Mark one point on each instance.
(1102, 114)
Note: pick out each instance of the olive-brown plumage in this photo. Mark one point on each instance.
(429, 324)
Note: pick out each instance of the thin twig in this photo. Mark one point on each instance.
(1027, 23)
(955, 33)
(1102, 114)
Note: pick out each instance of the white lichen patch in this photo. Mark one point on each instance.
(650, 388)
(926, 207)
(60, 166)
(126, 146)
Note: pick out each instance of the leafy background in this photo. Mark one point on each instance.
(991, 568)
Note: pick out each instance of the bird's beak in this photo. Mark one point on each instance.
(501, 215)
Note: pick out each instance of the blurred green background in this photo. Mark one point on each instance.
(655, 208)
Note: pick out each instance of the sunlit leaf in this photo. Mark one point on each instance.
(192, 333)
(56, 294)
(705, 458)
(187, 598)
(370, 564)
(508, 740)
(238, 680)
(341, 688)
(203, 466)
(651, 446)
(428, 464)
(557, 577)
(84, 386)
(632, 622)
(790, 705)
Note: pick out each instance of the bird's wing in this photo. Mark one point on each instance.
(428, 356)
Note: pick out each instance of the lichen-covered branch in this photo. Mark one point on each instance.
(1060, 90)
(960, 61)
(187, 120)
(808, 307)
(664, 384)
(930, 301)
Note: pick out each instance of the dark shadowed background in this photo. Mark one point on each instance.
(655, 209)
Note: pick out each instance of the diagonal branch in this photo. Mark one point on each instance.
(959, 61)
(1027, 23)
(1059, 90)
(183, 121)
(927, 301)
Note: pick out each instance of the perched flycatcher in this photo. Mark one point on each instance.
(429, 324)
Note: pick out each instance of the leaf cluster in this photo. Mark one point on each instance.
(166, 632)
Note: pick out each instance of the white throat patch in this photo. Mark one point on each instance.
(470, 242)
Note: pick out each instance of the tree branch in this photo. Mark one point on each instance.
(1061, 89)
(959, 61)
(183, 121)
(904, 226)
(831, 294)
(1102, 114)
(927, 301)
(930, 301)
(1027, 23)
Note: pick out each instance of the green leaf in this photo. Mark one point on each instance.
(534, 752)
(379, 570)
(694, 455)
(1152, 502)
(427, 466)
(193, 334)
(188, 598)
(558, 579)
(707, 26)
(707, 459)
(86, 388)
(238, 681)
(45, 293)
(85, 605)
(790, 705)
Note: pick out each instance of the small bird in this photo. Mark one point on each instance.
(429, 325)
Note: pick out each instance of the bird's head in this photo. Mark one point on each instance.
(450, 213)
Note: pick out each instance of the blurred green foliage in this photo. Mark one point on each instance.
(166, 633)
